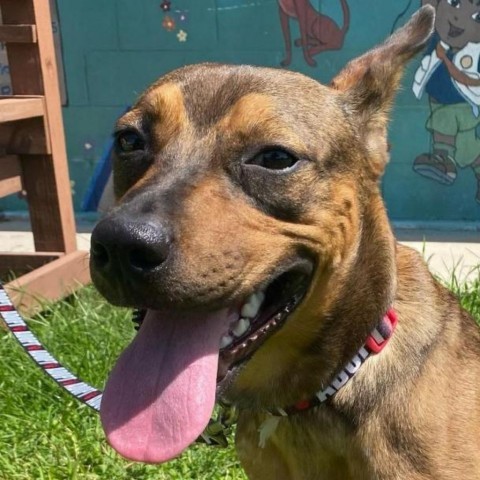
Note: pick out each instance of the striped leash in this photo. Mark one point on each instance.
(80, 390)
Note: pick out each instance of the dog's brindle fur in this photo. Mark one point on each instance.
(411, 412)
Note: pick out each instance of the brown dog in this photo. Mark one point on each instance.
(252, 219)
(318, 32)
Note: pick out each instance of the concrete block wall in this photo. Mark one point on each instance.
(113, 49)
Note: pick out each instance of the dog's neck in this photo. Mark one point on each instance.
(369, 287)
(370, 279)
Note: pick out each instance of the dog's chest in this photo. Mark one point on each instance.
(300, 449)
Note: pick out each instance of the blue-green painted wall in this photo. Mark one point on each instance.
(114, 48)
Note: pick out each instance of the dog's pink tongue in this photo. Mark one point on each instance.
(161, 393)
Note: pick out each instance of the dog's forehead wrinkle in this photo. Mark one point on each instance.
(209, 91)
(214, 101)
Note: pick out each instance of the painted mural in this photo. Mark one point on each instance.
(318, 32)
(449, 75)
(174, 20)
(113, 50)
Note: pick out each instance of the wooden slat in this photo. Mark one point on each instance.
(33, 72)
(10, 175)
(18, 34)
(60, 180)
(12, 109)
(17, 12)
(42, 200)
(53, 281)
(25, 137)
(10, 185)
(21, 263)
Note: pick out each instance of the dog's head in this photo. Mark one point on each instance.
(244, 195)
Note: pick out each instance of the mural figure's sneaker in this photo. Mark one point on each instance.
(436, 166)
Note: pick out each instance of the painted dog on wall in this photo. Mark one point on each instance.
(318, 32)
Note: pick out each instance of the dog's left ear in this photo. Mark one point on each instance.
(371, 81)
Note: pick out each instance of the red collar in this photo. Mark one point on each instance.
(375, 343)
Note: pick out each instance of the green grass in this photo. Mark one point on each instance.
(469, 294)
(46, 434)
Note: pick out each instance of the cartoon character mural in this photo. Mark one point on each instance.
(450, 75)
(318, 32)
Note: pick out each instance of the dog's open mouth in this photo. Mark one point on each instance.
(261, 315)
(161, 393)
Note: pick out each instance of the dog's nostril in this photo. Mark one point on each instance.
(145, 258)
(100, 254)
(122, 245)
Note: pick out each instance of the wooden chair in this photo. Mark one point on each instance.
(33, 159)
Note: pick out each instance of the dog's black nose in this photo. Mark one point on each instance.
(132, 245)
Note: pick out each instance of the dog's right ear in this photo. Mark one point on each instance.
(371, 81)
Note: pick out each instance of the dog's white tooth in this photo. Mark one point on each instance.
(226, 341)
(261, 296)
(241, 327)
(251, 298)
(249, 310)
(253, 304)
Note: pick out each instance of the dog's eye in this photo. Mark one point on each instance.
(476, 17)
(275, 159)
(129, 141)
